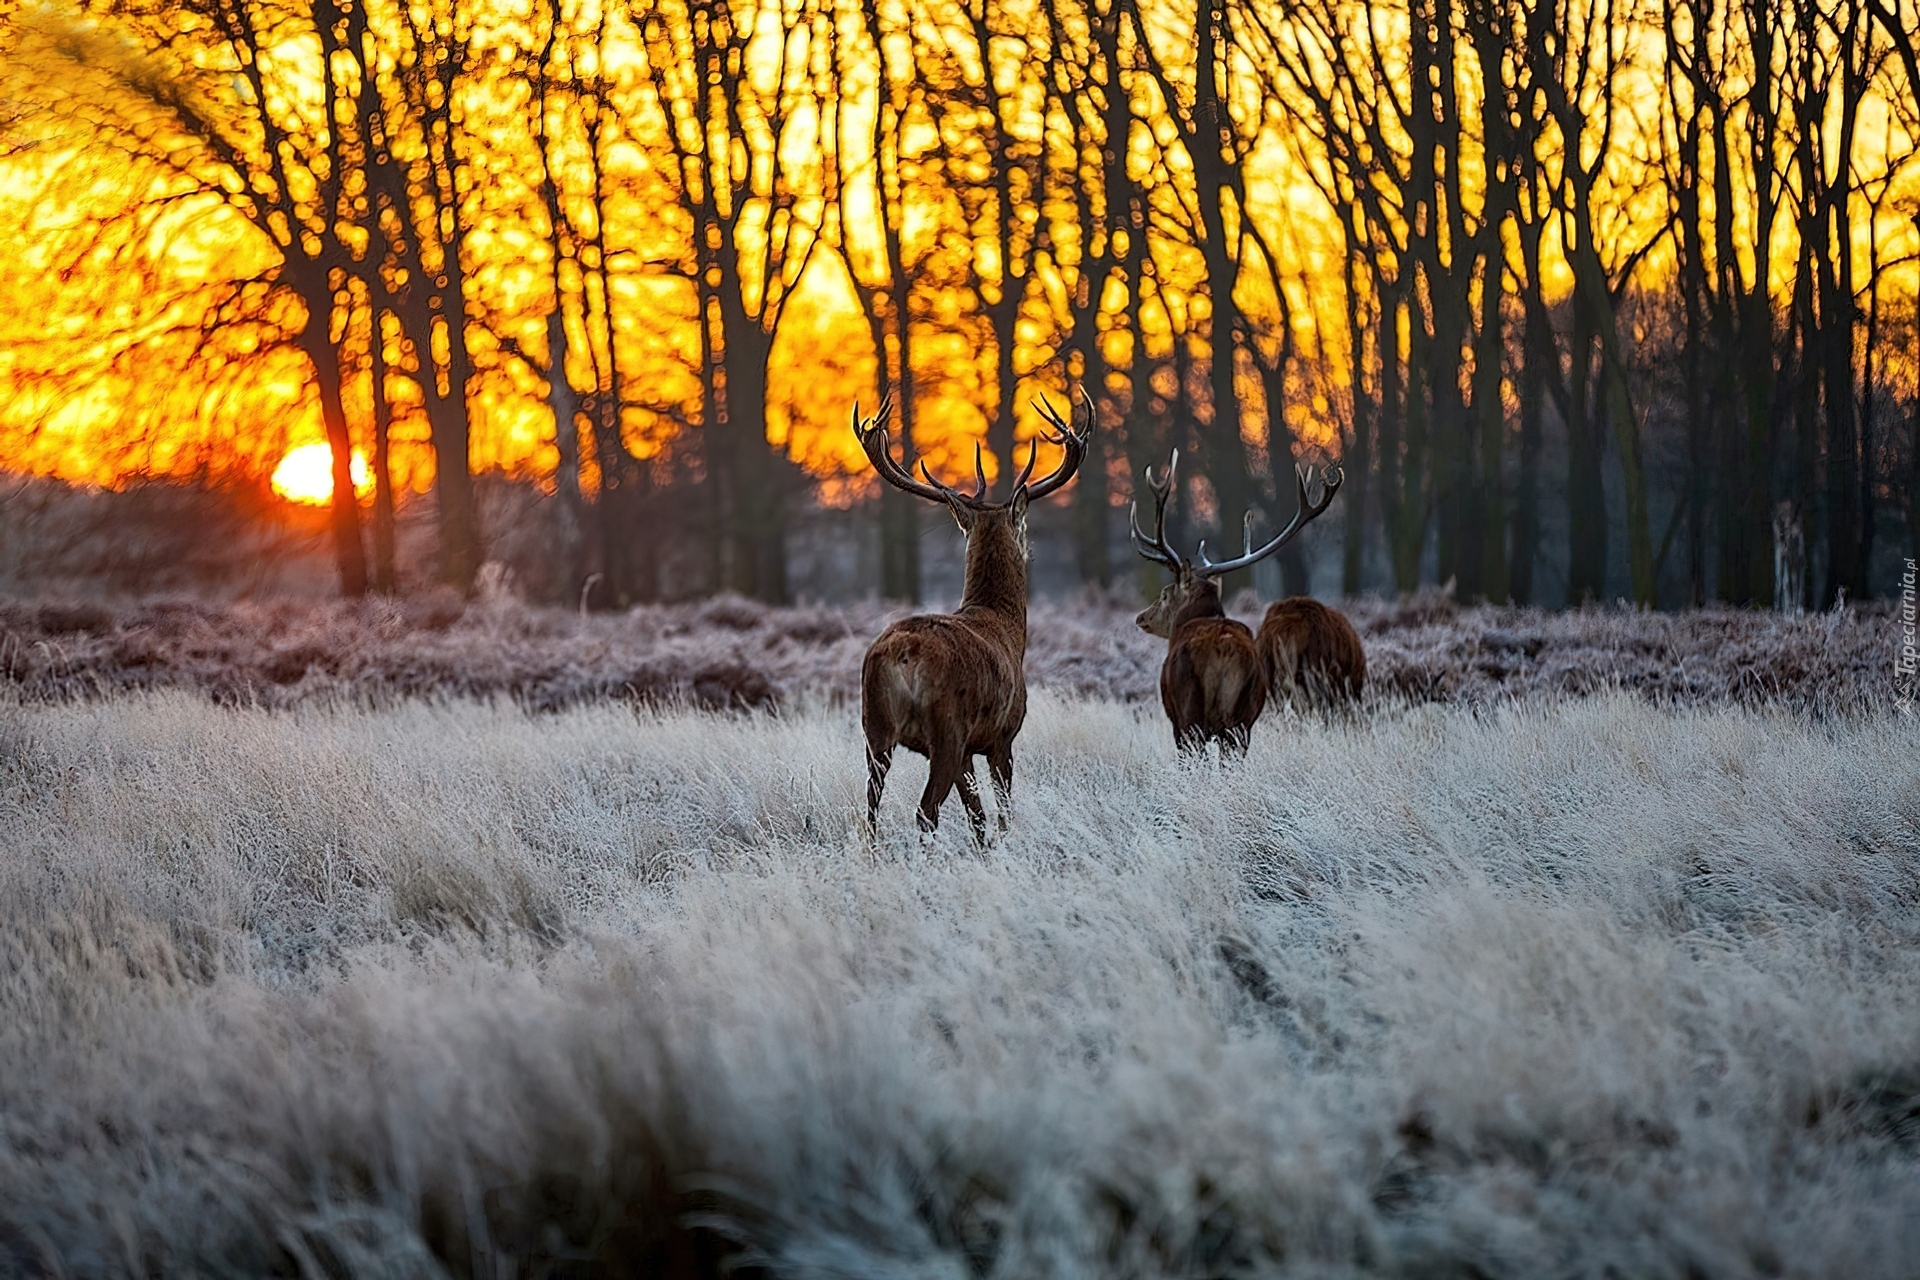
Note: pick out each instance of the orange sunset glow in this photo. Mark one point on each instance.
(533, 235)
(306, 475)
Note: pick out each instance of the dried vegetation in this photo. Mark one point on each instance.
(733, 653)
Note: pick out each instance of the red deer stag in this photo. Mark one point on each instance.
(1212, 684)
(951, 685)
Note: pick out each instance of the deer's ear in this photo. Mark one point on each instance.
(962, 513)
(1019, 505)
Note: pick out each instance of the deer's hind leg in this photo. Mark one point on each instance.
(945, 766)
(1000, 769)
(970, 797)
(1238, 732)
(879, 761)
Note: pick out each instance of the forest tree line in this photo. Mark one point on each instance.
(1655, 260)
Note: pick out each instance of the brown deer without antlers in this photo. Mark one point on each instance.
(1212, 684)
(951, 685)
(1310, 655)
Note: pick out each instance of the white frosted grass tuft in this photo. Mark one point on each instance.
(1573, 989)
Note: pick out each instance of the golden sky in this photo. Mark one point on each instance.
(117, 260)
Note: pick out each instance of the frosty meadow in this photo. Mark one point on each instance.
(1533, 988)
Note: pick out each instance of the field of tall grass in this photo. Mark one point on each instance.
(1537, 987)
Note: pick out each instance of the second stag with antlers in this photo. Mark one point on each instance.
(1212, 684)
(952, 685)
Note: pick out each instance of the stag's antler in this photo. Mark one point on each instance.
(1073, 438)
(873, 439)
(1307, 512)
(976, 499)
(1156, 548)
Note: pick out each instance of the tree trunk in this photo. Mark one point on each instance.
(1626, 437)
(1913, 467)
(564, 403)
(1416, 496)
(344, 507)
(1091, 500)
(1402, 505)
(1868, 408)
(1586, 496)
(1845, 573)
(385, 572)
(1538, 351)
(1282, 457)
(1490, 407)
(1224, 458)
(1849, 467)
(756, 534)
(1591, 293)
(1003, 311)
(1490, 42)
(1226, 452)
(1000, 427)
(1358, 460)
(1692, 276)
(900, 511)
(452, 481)
(1141, 440)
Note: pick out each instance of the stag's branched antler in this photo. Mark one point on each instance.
(873, 433)
(977, 499)
(1156, 548)
(1072, 438)
(1305, 514)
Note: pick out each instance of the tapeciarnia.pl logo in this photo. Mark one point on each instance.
(1907, 660)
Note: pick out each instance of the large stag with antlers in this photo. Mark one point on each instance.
(1212, 683)
(952, 685)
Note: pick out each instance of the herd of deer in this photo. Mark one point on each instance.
(951, 686)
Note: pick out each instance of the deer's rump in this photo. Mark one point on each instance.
(1211, 679)
(938, 680)
(1304, 644)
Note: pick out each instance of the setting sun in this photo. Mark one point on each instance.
(306, 474)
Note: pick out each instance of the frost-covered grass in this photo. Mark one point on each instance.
(1553, 988)
(734, 653)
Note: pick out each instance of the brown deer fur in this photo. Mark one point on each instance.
(1310, 655)
(1210, 683)
(953, 686)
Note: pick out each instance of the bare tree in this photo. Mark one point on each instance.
(736, 126)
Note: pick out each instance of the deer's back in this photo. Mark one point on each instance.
(1303, 643)
(939, 676)
(1211, 679)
